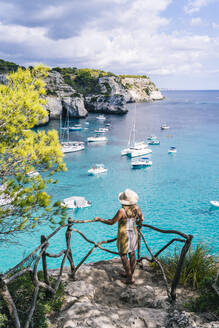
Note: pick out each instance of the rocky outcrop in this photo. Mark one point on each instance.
(141, 89)
(3, 79)
(112, 86)
(99, 299)
(113, 104)
(114, 93)
(62, 97)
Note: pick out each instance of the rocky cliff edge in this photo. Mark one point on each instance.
(99, 299)
(114, 93)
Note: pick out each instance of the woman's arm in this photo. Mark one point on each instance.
(112, 221)
(140, 215)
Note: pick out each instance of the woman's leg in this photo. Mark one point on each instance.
(126, 265)
(132, 261)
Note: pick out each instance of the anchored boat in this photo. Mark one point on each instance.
(97, 169)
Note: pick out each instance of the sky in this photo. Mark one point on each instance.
(174, 42)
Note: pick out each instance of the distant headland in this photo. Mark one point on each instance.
(83, 90)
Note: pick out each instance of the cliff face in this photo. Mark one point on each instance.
(141, 89)
(114, 93)
(80, 91)
(99, 299)
(62, 97)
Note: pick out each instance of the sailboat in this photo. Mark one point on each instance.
(134, 148)
(68, 146)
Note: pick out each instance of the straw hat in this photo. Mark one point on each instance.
(128, 197)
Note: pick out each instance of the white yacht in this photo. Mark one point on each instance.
(33, 174)
(76, 202)
(153, 142)
(134, 148)
(100, 117)
(139, 152)
(137, 146)
(164, 126)
(152, 137)
(102, 130)
(97, 169)
(214, 203)
(72, 146)
(97, 139)
(76, 127)
(172, 150)
(141, 162)
(68, 146)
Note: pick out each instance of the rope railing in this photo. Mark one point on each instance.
(40, 252)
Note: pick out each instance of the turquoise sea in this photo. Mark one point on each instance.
(173, 194)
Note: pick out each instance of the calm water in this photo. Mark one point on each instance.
(173, 194)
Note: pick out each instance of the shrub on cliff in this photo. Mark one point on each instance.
(24, 154)
(198, 265)
(22, 290)
(199, 271)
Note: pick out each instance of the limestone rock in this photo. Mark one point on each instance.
(54, 107)
(62, 97)
(74, 106)
(99, 299)
(3, 79)
(141, 89)
(114, 104)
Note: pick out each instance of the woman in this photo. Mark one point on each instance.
(127, 237)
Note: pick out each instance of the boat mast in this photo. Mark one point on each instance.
(134, 130)
(67, 125)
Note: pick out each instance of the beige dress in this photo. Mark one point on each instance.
(127, 237)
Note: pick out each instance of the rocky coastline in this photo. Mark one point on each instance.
(80, 91)
(99, 299)
(114, 93)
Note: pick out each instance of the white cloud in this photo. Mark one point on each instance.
(215, 25)
(196, 21)
(194, 6)
(121, 41)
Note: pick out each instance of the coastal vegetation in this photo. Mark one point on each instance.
(25, 154)
(22, 290)
(83, 80)
(199, 272)
(6, 66)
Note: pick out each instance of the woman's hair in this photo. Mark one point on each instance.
(131, 210)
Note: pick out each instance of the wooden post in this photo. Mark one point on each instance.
(179, 266)
(5, 294)
(139, 245)
(68, 243)
(45, 272)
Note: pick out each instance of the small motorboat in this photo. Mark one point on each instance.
(152, 137)
(172, 150)
(101, 117)
(139, 149)
(153, 142)
(32, 174)
(97, 169)
(141, 162)
(214, 203)
(76, 202)
(139, 152)
(72, 146)
(102, 130)
(164, 126)
(97, 139)
(76, 127)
